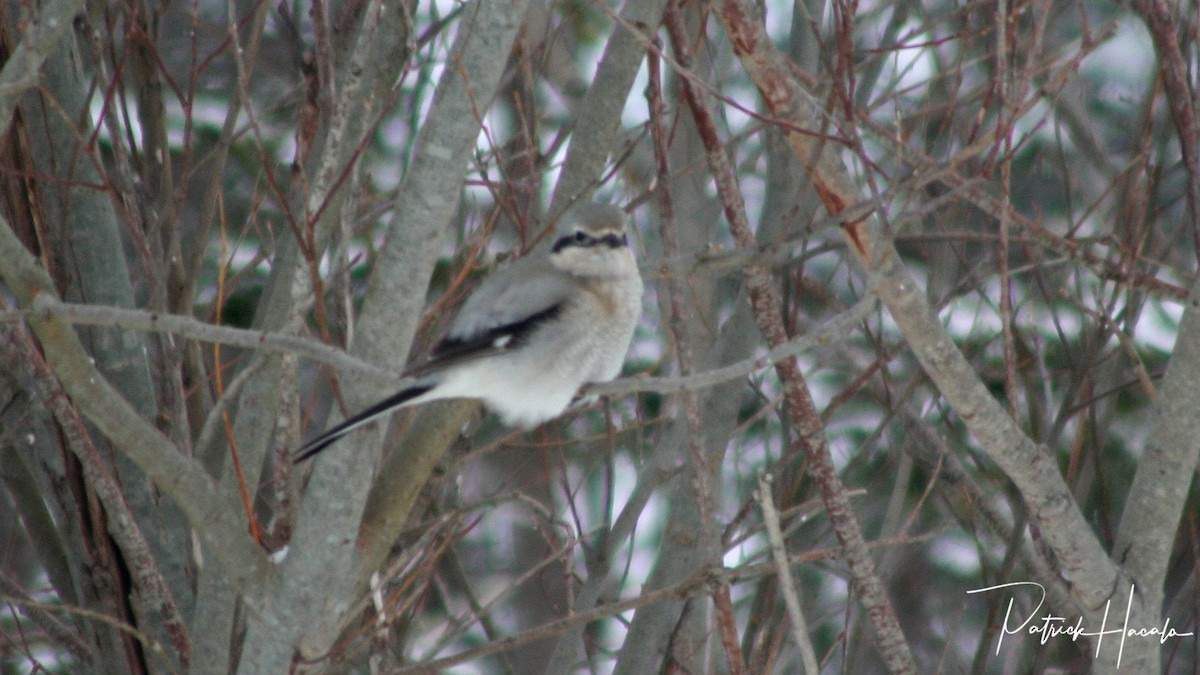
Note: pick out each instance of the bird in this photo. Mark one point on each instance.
(532, 333)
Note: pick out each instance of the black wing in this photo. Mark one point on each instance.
(503, 338)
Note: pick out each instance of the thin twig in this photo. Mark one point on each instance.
(682, 590)
(787, 585)
(835, 328)
(702, 467)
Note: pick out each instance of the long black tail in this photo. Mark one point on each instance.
(387, 405)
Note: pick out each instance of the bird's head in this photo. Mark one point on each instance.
(591, 241)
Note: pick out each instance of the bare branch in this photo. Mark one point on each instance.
(1083, 560)
(42, 33)
(216, 520)
(787, 585)
(174, 324)
(889, 637)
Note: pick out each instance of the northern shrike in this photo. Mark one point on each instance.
(534, 332)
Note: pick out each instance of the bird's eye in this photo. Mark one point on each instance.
(583, 238)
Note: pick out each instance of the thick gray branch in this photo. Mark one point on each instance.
(42, 33)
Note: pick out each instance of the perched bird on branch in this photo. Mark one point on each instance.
(534, 332)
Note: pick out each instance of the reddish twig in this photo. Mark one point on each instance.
(799, 403)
